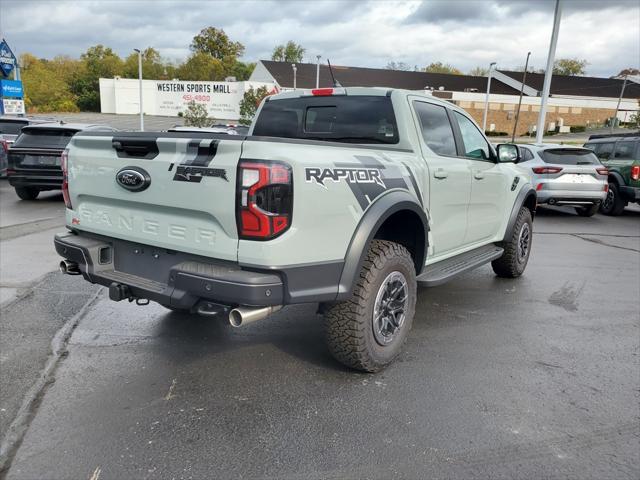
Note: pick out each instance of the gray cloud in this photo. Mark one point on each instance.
(464, 33)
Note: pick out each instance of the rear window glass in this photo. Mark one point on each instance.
(41, 137)
(10, 127)
(355, 119)
(562, 156)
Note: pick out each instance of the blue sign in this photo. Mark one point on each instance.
(7, 59)
(11, 89)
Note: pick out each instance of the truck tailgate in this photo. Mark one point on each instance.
(170, 190)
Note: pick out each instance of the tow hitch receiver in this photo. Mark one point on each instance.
(118, 292)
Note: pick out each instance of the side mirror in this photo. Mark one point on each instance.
(508, 153)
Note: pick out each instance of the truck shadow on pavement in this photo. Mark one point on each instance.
(297, 331)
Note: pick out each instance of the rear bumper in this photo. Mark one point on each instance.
(184, 280)
(44, 179)
(630, 194)
(570, 197)
(188, 281)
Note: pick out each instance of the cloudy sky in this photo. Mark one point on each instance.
(464, 33)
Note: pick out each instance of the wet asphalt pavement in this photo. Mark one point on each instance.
(537, 377)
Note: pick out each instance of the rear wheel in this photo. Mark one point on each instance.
(27, 193)
(367, 331)
(517, 249)
(589, 211)
(614, 204)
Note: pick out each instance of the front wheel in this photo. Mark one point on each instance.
(27, 193)
(517, 249)
(589, 211)
(367, 331)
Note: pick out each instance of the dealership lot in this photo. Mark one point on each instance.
(530, 378)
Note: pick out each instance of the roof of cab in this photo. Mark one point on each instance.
(369, 91)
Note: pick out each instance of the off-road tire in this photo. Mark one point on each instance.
(589, 211)
(349, 324)
(27, 193)
(511, 264)
(613, 206)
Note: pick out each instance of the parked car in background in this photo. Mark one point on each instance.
(566, 176)
(34, 158)
(10, 127)
(621, 155)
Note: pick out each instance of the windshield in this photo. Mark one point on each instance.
(43, 138)
(351, 119)
(566, 156)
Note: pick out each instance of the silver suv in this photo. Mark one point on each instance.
(566, 176)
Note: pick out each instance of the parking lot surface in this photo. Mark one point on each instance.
(530, 378)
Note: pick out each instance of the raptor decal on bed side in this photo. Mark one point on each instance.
(367, 179)
(196, 166)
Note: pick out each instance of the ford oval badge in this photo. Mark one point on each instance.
(133, 179)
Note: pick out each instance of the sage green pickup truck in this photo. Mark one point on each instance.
(344, 197)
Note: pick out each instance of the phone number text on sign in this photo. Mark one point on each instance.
(196, 98)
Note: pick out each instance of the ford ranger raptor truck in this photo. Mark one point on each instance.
(345, 197)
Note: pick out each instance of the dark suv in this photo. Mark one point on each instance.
(621, 155)
(34, 158)
(10, 127)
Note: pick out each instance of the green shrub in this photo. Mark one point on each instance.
(578, 129)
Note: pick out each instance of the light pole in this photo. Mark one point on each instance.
(318, 71)
(548, 72)
(486, 100)
(524, 79)
(140, 87)
(295, 70)
(615, 115)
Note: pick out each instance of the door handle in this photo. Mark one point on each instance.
(478, 175)
(441, 173)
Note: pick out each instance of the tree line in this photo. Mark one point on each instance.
(65, 84)
(562, 66)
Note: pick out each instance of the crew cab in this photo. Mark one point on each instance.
(34, 157)
(342, 197)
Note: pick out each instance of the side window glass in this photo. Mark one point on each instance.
(624, 151)
(436, 128)
(475, 145)
(603, 150)
(526, 154)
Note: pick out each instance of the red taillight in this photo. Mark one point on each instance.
(602, 171)
(322, 91)
(605, 187)
(64, 157)
(539, 187)
(546, 170)
(265, 199)
(635, 172)
(4, 145)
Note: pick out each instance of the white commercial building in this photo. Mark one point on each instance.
(170, 97)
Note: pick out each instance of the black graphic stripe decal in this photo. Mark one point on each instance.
(366, 193)
(196, 164)
(414, 183)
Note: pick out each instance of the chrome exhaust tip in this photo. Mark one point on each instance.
(69, 267)
(241, 316)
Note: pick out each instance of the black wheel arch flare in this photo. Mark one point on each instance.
(378, 212)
